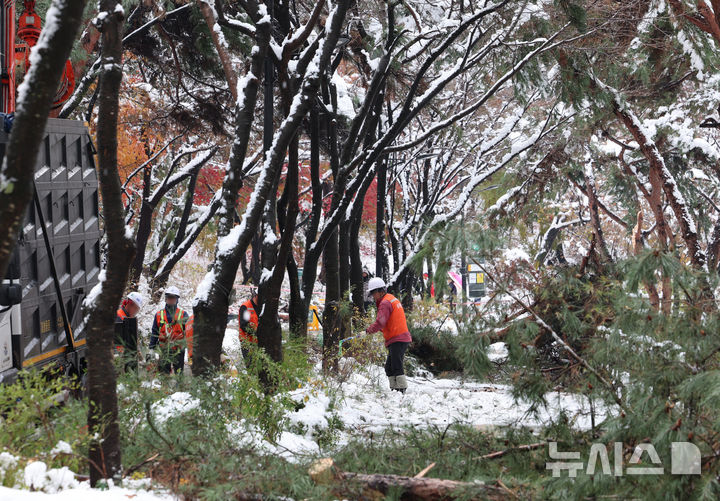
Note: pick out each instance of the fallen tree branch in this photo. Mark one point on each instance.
(323, 471)
(555, 336)
(498, 454)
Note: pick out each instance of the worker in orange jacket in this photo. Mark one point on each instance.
(168, 333)
(126, 332)
(391, 321)
(130, 307)
(248, 322)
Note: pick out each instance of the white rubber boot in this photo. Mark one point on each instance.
(393, 382)
(401, 383)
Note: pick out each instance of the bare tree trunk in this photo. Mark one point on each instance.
(105, 455)
(212, 298)
(356, 267)
(211, 308)
(344, 257)
(669, 185)
(311, 258)
(151, 199)
(297, 311)
(269, 331)
(380, 252)
(35, 98)
(163, 273)
(637, 249)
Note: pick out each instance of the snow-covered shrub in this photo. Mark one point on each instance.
(9, 469)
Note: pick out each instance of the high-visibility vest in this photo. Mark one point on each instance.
(244, 336)
(122, 316)
(175, 330)
(313, 323)
(189, 334)
(396, 324)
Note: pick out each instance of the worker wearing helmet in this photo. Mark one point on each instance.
(391, 321)
(130, 306)
(168, 333)
(126, 328)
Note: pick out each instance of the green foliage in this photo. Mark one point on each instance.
(437, 349)
(456, 451)
(575, 13)
(34, 419)
(211, 438)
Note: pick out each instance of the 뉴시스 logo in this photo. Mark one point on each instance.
(684, 458)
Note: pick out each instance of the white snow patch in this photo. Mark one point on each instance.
(497, 352)
(173, 405)
(62, 447)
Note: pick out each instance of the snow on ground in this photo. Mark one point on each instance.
(60, 485)
(365, 403)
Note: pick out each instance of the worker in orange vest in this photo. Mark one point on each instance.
(168, 333)
(248, 322)
(126, 331)
(391, 321)
(130, 307)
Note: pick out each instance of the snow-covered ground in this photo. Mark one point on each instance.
(362, 402)
(60, 485)
(365, 403)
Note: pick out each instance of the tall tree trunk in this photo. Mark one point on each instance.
(269, 331)
(344, 257)
(33, 106)
(142, 236)
(212, 303)
(225, 60)
(212, 298)
(380, 252)
(104, 454)
(297, 311)
(331, 314)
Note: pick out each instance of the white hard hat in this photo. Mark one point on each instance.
(376, 283)
(136, 298)
(172, 291)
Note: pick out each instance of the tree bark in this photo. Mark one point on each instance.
(669, 185)
(325, 472)
(221, 50)
(35, 97)
(356, 266)
(212, 298)
(100, 307)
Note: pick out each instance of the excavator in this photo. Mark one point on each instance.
(56, 261)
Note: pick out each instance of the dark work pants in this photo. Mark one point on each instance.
(174, 359)
(394, 362)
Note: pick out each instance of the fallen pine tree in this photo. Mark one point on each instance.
(375, 486)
